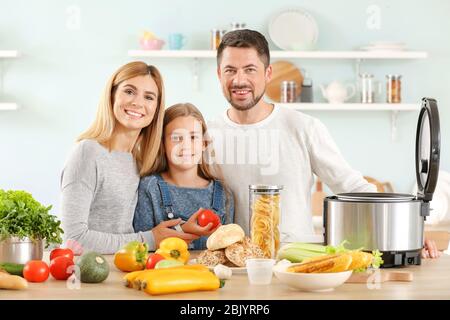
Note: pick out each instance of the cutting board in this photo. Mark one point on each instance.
(383, 276)
(283, 71)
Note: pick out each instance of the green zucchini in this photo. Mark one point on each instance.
(12, 268)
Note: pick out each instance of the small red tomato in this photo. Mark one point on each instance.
(59, 268)
(153, 260)
(58, 252)
(36, 271)
(208, 216)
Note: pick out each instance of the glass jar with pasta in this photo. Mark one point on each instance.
(265, 214)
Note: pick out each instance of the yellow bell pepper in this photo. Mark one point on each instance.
(174, 249)
(132, 257)
(181, 281)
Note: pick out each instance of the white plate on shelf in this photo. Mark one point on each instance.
(294, 30)
(235, 270)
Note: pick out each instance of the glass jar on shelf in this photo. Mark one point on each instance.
(216, 38)
(265, 215)
(288, 92)
(394, 88)
(367, 88)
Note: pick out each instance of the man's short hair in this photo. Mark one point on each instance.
(245, 38)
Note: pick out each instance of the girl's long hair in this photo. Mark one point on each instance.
(147, 146)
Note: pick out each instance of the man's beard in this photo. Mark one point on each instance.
(248, 106)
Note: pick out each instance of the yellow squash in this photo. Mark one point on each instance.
(143, 278)
(128, 279)
(181, 281)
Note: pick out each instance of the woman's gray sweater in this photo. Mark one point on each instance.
(99, 195)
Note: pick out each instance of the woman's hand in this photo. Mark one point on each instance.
(430, 250)
(191, 226)
(163, 231)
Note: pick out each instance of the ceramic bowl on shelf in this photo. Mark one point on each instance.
(315, 282)
(151, 44)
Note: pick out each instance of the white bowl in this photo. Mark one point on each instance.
(310, 281)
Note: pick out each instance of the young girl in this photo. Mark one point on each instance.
(183, 183)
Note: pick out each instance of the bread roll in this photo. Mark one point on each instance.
(212, 258)
(225, 236)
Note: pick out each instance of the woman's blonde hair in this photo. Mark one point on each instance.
(206, 169)
(147, 146)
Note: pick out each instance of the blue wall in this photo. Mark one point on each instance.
(62, 70)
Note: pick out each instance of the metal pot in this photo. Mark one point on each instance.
(21, 250)
(390, 222)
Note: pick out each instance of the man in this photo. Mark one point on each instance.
(257, 142)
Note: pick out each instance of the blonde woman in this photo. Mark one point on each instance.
(100, 179)
(183, 182)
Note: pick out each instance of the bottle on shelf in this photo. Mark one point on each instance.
(306, 95)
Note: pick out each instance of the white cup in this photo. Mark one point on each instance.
(259, 271)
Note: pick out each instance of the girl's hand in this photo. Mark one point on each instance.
(163, 231)
(192, 227)
(430, 250)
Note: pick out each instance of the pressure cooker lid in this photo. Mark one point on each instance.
(428, 144)
(375, 197)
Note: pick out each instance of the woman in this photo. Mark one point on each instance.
(100, 180)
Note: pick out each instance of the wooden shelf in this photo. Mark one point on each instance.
(286, 54)
(9, 53)
(8, 106)
(353, 106)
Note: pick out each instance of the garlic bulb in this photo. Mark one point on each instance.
(223, 272)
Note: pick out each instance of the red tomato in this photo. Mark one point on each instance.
(58, 252)
(59, 267)
(153, 260)
(36, 271)
(208, 216)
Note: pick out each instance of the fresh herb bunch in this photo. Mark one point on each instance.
(22, 216)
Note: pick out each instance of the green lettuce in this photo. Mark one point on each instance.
(24, 217)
